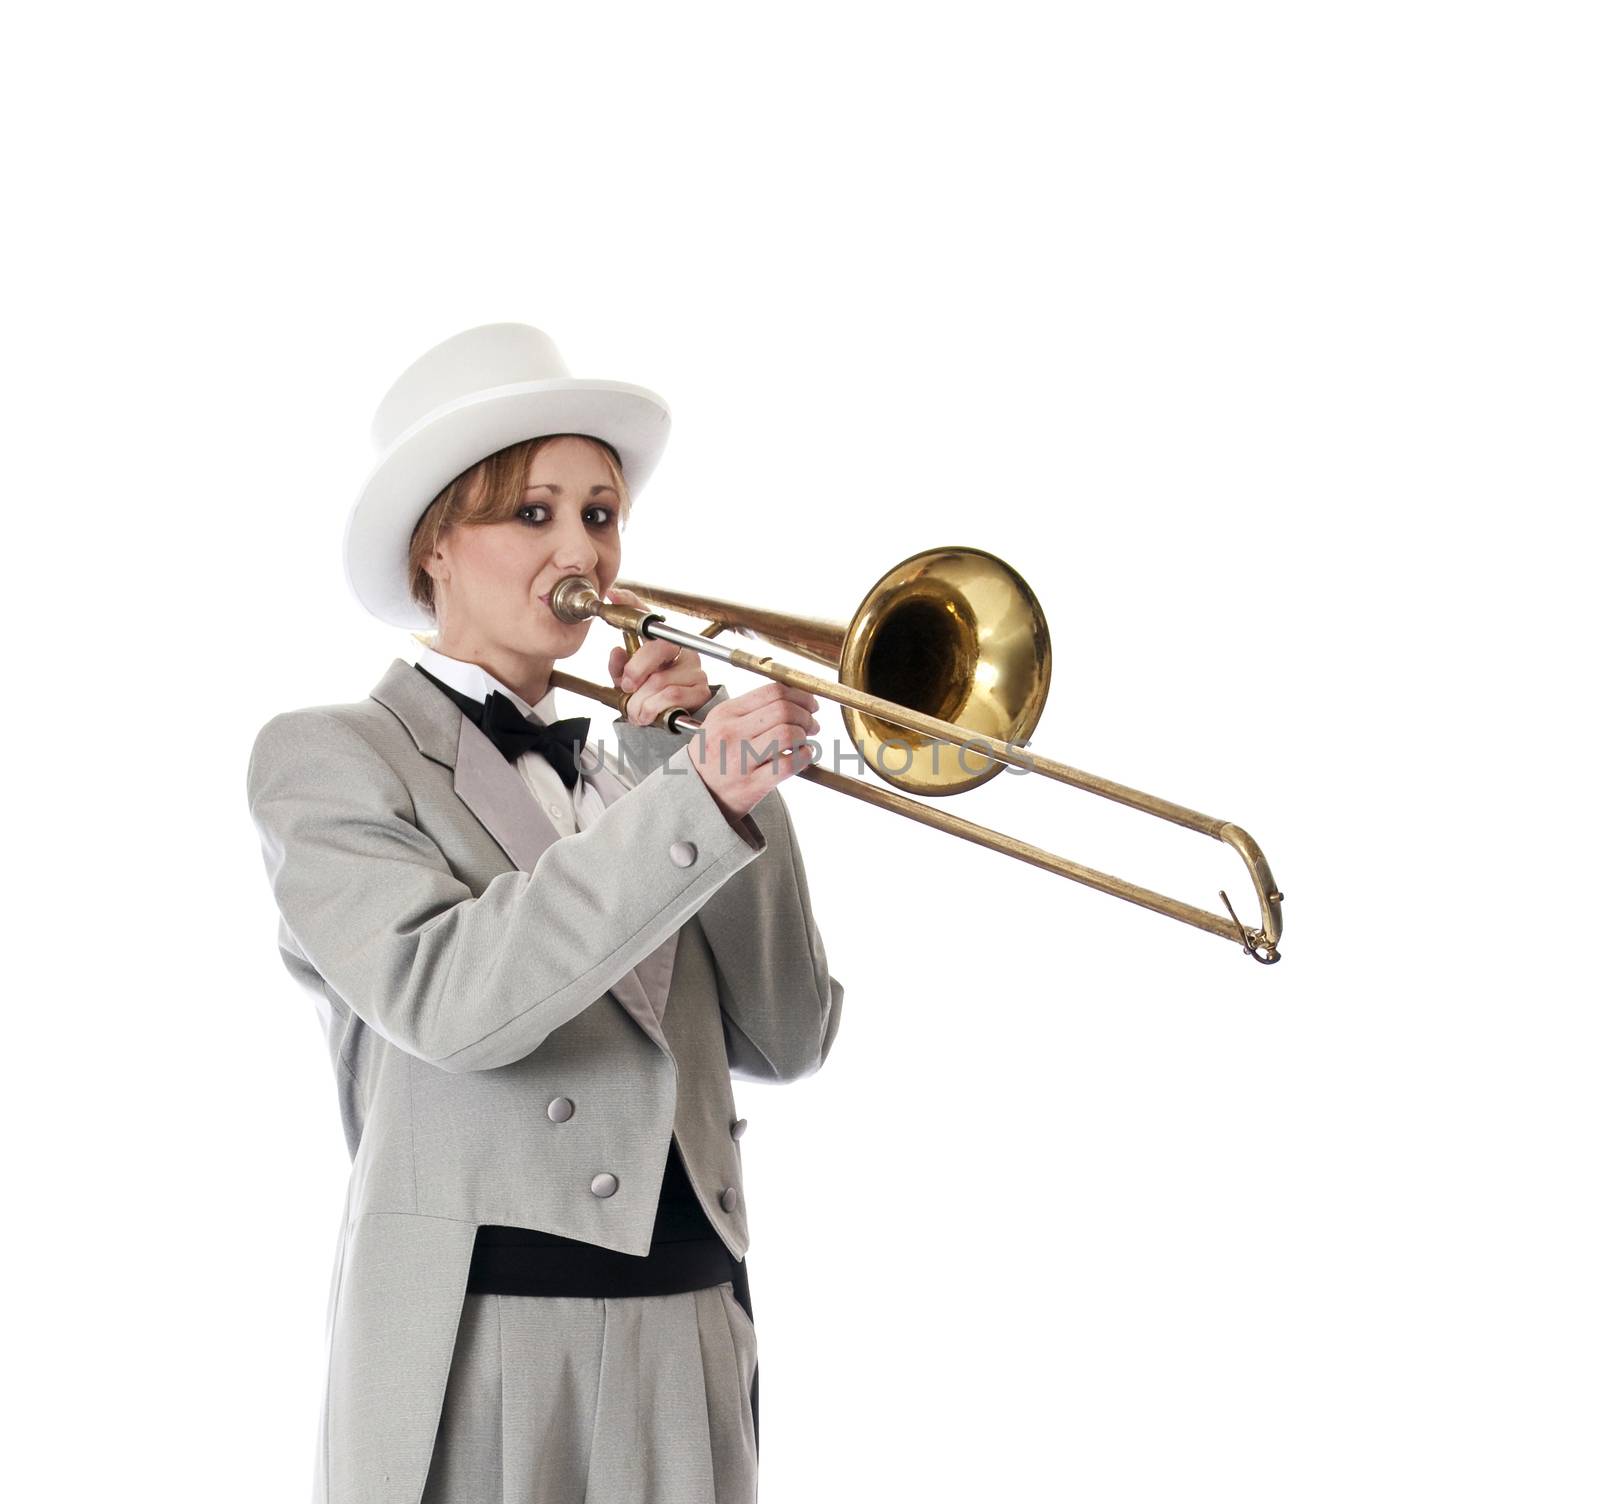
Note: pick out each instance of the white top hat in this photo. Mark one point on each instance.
(462, 401)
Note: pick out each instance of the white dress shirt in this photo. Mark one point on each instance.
(570, 810)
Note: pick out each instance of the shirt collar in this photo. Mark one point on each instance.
(472, 679)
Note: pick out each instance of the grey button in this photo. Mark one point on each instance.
(682, 853)
(604, 1184)
(739, 1126)
(560, 1109)
(730, 1198)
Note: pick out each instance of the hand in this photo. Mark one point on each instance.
(762, 724)
(660, 674)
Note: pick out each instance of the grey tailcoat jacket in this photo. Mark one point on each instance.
(470, 967)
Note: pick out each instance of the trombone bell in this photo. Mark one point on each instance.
(957, 634)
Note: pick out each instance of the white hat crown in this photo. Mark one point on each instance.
(474, 361)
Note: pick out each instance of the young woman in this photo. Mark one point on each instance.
(537, 963)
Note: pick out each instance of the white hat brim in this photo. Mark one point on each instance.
(451, 439)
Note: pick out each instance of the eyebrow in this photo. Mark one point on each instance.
(544, 485)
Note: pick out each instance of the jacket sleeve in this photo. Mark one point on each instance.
(470, 982)
(780, 1005)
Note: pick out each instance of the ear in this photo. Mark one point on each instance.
(437, 564)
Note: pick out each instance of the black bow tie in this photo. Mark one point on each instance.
(513, 733)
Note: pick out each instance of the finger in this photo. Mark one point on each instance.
(685, 696)
(796, 696)
(805, 754)
(676, 678)
(683, 669)
(773, 714)
(775, 770)
(675, 687)
(771, 692)
(652, 655)
(756, 746)
(770, 747)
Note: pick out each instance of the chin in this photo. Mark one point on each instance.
(567, 638)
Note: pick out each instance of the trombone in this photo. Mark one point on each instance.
(951, 646)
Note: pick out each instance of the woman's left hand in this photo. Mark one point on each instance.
(660, 675)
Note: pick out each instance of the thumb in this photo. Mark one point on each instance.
(616, 663)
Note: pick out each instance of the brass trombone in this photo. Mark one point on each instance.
(951, 646)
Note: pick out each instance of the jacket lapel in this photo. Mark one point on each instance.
(493, 790)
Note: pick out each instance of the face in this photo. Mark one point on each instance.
(492, 581)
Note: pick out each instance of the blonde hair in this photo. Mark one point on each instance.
(490, 491)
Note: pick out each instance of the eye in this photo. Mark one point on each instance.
(607, 514)
(532, 506)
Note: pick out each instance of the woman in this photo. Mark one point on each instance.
(537, 965)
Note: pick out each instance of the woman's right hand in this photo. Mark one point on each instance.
(761, 724)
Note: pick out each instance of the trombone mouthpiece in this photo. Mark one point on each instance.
(575, 598)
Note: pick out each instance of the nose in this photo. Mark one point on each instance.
(575, 552)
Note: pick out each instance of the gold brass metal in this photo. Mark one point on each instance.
(957, 634)
(948, 650)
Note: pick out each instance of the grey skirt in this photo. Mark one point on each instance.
(640, 1399)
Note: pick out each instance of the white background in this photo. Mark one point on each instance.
(1261, 338)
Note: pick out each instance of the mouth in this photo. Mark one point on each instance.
(544, 600)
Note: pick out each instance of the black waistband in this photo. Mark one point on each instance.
(668, 1269)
